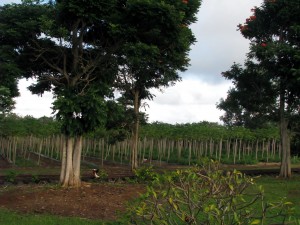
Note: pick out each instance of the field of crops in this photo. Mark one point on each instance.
(185, 152)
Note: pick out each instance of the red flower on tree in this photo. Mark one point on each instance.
(263, 44)
(243, 27)
(185, 1)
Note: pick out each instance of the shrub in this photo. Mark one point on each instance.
(205, 195)
(102, 175)
(11, 176)
(145, 174)
(35, 178)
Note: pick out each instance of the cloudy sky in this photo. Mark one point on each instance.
(194, 99)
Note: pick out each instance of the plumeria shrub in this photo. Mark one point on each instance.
(145, 174)
(206, 195)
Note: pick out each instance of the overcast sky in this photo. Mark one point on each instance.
(194, 99)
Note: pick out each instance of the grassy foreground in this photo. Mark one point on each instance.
(274, 188)
(11, 218)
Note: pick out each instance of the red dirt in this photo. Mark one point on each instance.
(103, 201)
(4, 163)
(92, 200)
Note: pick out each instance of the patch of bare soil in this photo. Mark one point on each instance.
(102, 201)
(4, 163)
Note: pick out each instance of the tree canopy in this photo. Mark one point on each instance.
(158, 40)
(267, 88)
(78, 49)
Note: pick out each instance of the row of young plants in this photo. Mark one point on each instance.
(159, 142)
(206, 131)
(150, 150)
(13, 125)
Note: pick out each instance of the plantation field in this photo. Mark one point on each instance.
(35, 169)
(39, 200)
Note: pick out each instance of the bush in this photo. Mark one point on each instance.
(35, 178)
(205, 195)
(103, 175)
(145, 174)
(11, 176)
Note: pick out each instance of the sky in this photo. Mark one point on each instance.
(194, 99)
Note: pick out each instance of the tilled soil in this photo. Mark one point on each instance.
(104, 201)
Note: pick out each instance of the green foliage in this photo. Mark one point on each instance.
(276, 188)
(13, 125)
(6, 101)
(35, 178)
(10, 72)
(22, 162)
(145, 174)
(272, 67)
(11, 176)
(73, 57)
(205, 195)
(80, 114)
(248, 160)
(295, 160)
(102, 175)
(267, 87)
(206, 131)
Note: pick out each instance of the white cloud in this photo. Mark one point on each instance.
(219, 44)
(188, 101)
(33, 105)
(3, 2)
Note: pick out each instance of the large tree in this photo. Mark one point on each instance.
(158, 40)
(269, 83)
(82, 68)
(9, 70)
(70, 51)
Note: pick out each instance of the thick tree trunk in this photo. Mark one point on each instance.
(285, 168)
(135, 132)
(77, 161)
(70, 169)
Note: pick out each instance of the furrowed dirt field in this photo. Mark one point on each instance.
(94, 200)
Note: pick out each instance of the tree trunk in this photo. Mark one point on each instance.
(71, 157)
(285, 168)
(135, 131)
(63, 163)
(76, 161)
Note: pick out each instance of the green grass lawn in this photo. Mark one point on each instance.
(276, 188)
(11, 218)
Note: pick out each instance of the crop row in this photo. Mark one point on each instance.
(150, 150)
